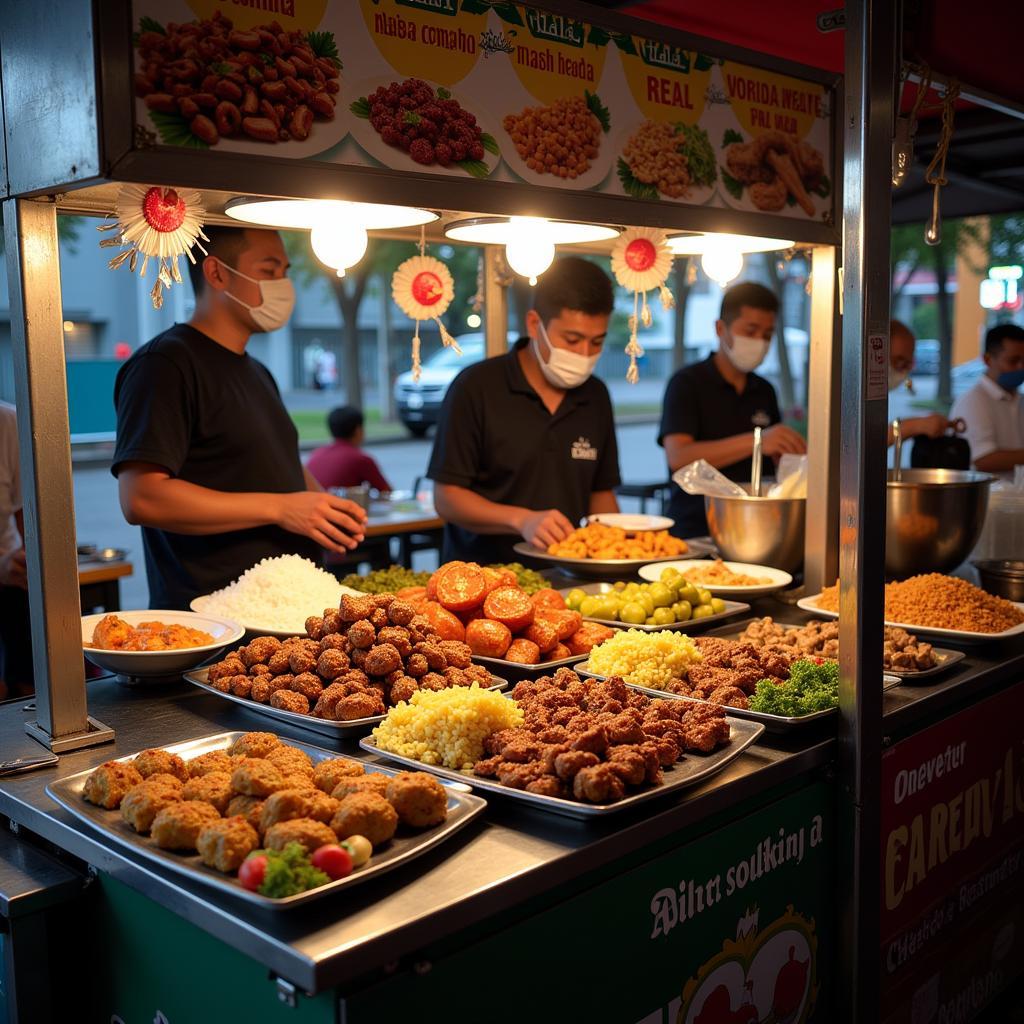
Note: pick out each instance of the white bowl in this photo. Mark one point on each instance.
(632, 522)
(160, 663)
(778, 578)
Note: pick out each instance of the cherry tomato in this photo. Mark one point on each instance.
(333, 860)
(251, 873)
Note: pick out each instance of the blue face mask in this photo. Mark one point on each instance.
(1011, 380)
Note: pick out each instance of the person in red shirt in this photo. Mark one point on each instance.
(343, 463)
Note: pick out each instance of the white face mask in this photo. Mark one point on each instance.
(564, 369)
(897, 377)
(277, 300)
(745, 353)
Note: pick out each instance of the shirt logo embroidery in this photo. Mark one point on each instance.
(583, 449)
(761, 419)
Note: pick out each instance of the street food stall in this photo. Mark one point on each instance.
(761, 873)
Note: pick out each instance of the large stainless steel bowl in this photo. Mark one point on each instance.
(762, 531)
(933, 519)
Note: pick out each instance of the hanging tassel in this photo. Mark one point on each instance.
(691, 273)
(645, 313)
(175, 271)
(416, 368)
(157, 294)
(668, 300)
(446, 339)
(633, 348)
(120, 258)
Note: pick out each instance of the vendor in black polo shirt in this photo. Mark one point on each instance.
(207, 458)
(712, 407)
(526, 443)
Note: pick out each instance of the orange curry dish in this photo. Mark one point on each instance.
(114, 634)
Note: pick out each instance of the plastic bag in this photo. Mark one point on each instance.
(791, 477)
(701, 477)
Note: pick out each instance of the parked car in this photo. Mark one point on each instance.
(418, 404)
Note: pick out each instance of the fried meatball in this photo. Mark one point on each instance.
(211, 761)
(355, 607)
(213, 789)
(256, 776)
(400, 613)
(547, 785)
(327, 774)
(224, 844)
(177, 826)
(232, 665)
(403, 689)
(598, 785)
(333, 642)
(300, 660)
(308, 685)
(304, 831)
(248, 807)
(456, 653)
(594, 739)
(314, 626)
(398, 637)
(254, 744)
(361, 635)
(260, 672)
(433, 681)
(372, 782)
(289, 700)
(291, 760)
(283, 805)
(419, 799)
(142, 803)
(258, 651)
(359, 705)
(265, 687)
(628, 763)
(222, 684)
(165, 780)
(416, 666)
(150, 762)
(573, 761)
(331, 664)
(382, 659)
(365, 814)
(379, 618)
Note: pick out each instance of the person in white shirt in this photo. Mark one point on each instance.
(992, 409)
(901, 361)
(15, 627)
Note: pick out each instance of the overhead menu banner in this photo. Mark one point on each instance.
(485, 89)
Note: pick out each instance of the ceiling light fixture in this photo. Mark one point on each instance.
(697, 244)
(339, 242)
(721, 261)
(308, 213)
(499, 230)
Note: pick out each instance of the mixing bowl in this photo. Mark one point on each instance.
(933, 519)
(764, 531)
(1003, 577)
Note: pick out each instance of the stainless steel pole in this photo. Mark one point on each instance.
(33, 272)
(496, 280)
(871, 40)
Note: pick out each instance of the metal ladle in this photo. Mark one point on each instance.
(897, 449)
(755, 469)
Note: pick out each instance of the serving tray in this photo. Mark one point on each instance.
(463, 807)
(615, 568)
(689, 626)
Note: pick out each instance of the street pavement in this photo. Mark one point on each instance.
(99, 519)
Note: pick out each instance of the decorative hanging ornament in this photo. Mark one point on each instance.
(641, 260)
(162, 224)
(423, 289)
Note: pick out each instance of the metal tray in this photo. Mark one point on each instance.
(321, 726)
(692, 769)
(946, 656)
(521, 670)
(463, 807)
(616, 568)
(731, 608)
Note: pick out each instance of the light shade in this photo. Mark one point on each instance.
(308, 213)
(695, 245)
(338, 242)
(721, 261)
(501, 230)
(530, 247)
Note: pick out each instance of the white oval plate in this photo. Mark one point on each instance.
(160, 663)
(632, 522)
(779, 579)
(201, 604)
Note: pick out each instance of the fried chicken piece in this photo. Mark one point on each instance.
(304, 831)
(331, 664)
(705, 728)
(232, 665)
(770, 195)
(214, 789)
(522, 750)
(240, 686)
(382, 659)
(547, 785)
(573, 761)
(403, 689)
(309, 685)
(488, 767)
(519, 776)
(628, 763)
(177, 826)
(359, 705)
(419, 799)
(623, 728)
(652, 762)
(327, 702)
(594, 740)
(550, 753)
(333, 642)
(266, 686)
(553, 734)
(397, 637)
(433, 681)
(401, 613)
(355, 608)
(153, 762)
(365, 814)
(256, 776)
(361, 635)
(668, 750)
(258, 651)
(211, 761)
(371, 782)
(497, 741)
(224, 844)
(300, 660)
(431, 650)
(289, 700)
(564, 676)
(143, 802)
(733, 696)
(249, 808)
(260, 671)
(314, 627)
(327, 774)
(598, 784)
(254, 744)
(457, 654)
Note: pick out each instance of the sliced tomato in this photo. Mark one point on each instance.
(446, 623)
(548, 598)
(588, 636)
(565, 621)
(558, 653)
(511, 606)
(488, 638)
(462, 588)
(543, 633)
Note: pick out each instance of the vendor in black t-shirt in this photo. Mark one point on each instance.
(712, 407)
(207, 457)
(526, 442)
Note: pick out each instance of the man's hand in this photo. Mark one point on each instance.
(334, 523)
(933, 425)
(782, 440)
(542, 529)
(13, 572)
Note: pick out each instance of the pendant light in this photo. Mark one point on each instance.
(339, 243)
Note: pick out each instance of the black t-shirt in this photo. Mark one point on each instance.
(215, 419)
(497, 438)
(700, 402)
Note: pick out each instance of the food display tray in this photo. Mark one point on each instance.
(692, 769)
(604, 568)
(945, 657)
(691, 625)
(521, 671)
(321, 726)
(463, 807)
(957, 636)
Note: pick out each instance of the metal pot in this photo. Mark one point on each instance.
(762, 531)
(1003, 577)
(933, 519)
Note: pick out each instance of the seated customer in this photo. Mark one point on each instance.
(343, 463)
(992, 409)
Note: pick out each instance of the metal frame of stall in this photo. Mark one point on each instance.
(83, 136)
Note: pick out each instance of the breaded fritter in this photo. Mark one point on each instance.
(371, 782)
(419, 799)
(254, 744)
(107, 785)
(291, 760)
(151, 762)
(305, 831)
(142, 803)
(212, 761)
(214, 789)
(226, 843)
(365, 814)
(248, 807)
(256, 776)
(177, 826)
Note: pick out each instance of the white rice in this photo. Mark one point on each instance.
(277, 594)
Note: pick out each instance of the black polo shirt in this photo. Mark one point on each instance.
(700, 402)
(497, 438)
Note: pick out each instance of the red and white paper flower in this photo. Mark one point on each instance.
(161, 224)
(423, 289)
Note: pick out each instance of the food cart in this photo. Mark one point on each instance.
(759, 887)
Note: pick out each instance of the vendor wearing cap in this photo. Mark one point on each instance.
(526, 447)
(207, 458)
(711, 408)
